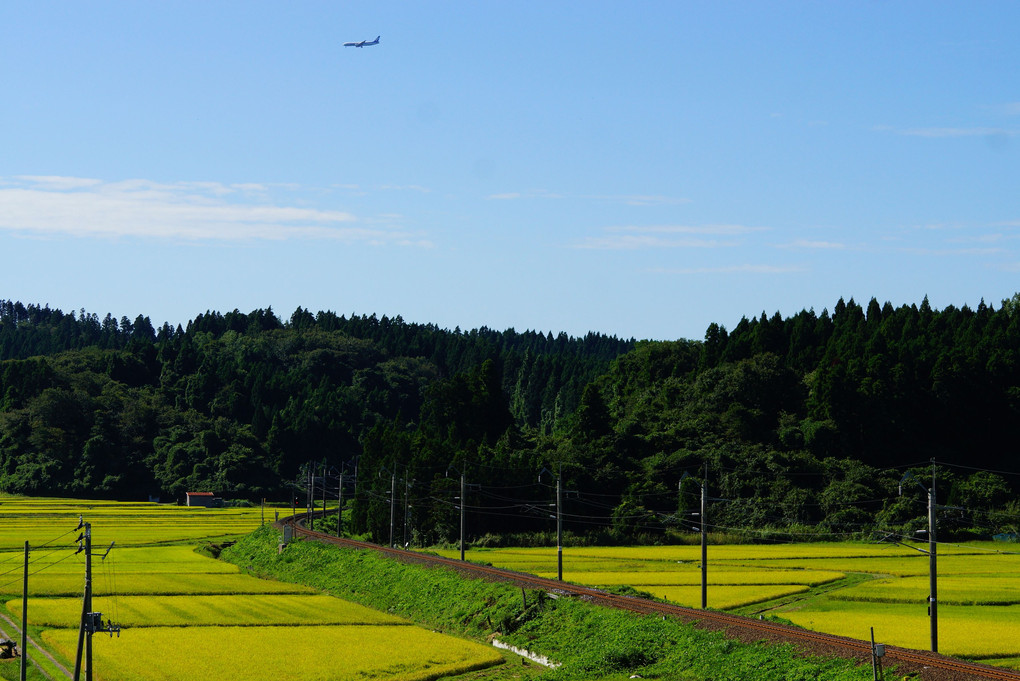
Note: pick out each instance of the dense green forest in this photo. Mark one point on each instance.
(806, 424)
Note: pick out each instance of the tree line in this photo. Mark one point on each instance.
(806, 423)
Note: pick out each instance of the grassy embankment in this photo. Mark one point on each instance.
(591, 642)
(838, 588)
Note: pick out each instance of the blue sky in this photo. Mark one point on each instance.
(638, 169)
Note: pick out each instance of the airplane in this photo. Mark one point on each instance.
(363, 43)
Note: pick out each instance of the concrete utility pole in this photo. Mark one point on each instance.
(703, 514)
(704, 540)
(462, 516)
(340, 506)
(84, 640)
(559, 529)
(933, 603)
(877, 653)
(91, 622)
(407, 504)
(309, 482)
(933, 565)
(24, 620)
(559, 519)
(393, 502)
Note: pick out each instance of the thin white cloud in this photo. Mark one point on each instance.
(950, 132)
(530, 194)
(629, 199)
(639, 200)
(733, 269)
(990, 238)
(405, 188)
(951, 251)
(815, 245)
(56, 182)
(185, 210)
(630, 242)
(686, 229)
(634, 237)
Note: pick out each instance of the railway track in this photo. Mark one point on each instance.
(928, 665)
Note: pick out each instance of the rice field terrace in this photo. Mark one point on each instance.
(42, 521)
(839, 588)
(184, 615)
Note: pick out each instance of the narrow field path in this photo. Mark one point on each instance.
(38, 648)
(786, 603)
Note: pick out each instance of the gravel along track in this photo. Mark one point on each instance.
(926, 665)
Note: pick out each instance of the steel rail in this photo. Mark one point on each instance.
(645, 606)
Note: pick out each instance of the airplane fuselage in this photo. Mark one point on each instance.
(363, 43)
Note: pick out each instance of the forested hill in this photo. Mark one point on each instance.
(803, 422)
(235, 402)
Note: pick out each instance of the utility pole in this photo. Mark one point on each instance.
(932, 565)
(559, 528)
(703, 514)
(310, 482)
(407, 505)
(340, 506)
(877, 653)
(704, 539)
(91, 622)
(559, 519)
(84, 635)
(462, 516)
(24, 619)
(393, 502)
(933, 612)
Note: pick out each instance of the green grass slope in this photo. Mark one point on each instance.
(590, 642)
